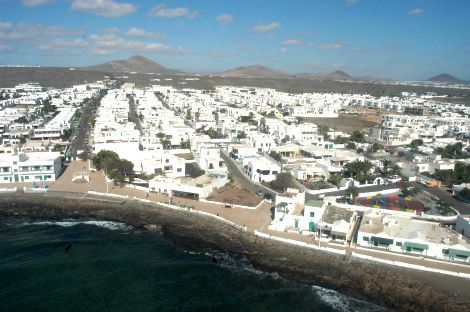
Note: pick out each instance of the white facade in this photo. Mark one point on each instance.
(30, 167)
(198, 188)
(403, 234)
(260, 168)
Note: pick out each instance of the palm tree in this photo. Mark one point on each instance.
(390, 168)
(352, 193)
(336, 179)
(359, 170)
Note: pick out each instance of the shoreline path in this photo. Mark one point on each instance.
(254, 219)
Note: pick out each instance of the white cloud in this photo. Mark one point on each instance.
(104, 44)
(351, 2)
(106, 8)
(225, 18)
(219, 53)
(32, 32)
(5, 48)
(416, 12)
(283, 50)
(161, 10)
(292, 42)
(266, 27)
(6, 26)
(137, 32)
(332, 46)
(67, 43)
(111, 30)
(31, 3)
(60, 41)
(64, 46)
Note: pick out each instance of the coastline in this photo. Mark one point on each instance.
(392, 287)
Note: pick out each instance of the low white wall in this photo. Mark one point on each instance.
(34, 190)
(390, 191)
(137, 187)
(335, 189)
(231, 205)
(362, 208)
(108, 195)
(179, 151)
(322, 191)
(187, 209)
(299, 243)
(410, 266)
(439, 218)
(8, 190)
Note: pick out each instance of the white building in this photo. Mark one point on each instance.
(404, 234)
(463, 226)
(30, 167)
(288, 210)
(260, 169)
(198, 188)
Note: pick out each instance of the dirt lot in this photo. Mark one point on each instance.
(345, 122)
(235, 195)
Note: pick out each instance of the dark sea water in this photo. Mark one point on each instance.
(106, 266)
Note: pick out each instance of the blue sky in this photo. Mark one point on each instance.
(398, 39)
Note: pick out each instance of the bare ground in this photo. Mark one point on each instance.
(345, 122)
(232, 194)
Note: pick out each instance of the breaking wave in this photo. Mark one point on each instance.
(340, 302)
(110, 225)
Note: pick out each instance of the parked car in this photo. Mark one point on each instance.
(394, 179)
(269, 197)
(259, 192)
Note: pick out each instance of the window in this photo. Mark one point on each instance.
(312, 214)
(399, 244)
(366, 238)
(179, 170)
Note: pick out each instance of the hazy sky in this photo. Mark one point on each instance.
(400, 39)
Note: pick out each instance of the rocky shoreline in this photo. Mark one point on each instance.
(395, 288)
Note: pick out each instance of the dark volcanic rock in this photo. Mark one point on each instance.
(137, 63)
(444, 78)
(396, 288)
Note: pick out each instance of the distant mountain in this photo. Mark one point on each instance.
(137, 63)
(336, 75)
(255, 71)
(340, 74)
(444, 78)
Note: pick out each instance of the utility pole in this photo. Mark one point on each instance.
(319, 238)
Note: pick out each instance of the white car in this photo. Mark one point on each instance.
(394, 179)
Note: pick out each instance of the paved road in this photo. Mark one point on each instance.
(241, 178)
(461, 207)
(83, 127)
(133, 114)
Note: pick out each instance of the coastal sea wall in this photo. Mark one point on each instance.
(393, 287)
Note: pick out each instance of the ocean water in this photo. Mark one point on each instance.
(90, 265)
